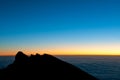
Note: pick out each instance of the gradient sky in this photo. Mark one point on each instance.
(60, 27)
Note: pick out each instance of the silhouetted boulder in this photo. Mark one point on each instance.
(42, 67)
(21, 58)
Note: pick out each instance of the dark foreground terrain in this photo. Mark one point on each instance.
(42, 67)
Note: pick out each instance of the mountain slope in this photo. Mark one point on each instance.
(42, 67)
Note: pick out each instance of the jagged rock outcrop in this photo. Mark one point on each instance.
(42, 67)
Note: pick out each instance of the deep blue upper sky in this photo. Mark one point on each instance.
(46, 24)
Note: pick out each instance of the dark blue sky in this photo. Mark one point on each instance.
(59, 25)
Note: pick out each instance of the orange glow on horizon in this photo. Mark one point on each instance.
(12, 53)
(107, 49)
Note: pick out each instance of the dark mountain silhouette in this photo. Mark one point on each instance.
(42, 67)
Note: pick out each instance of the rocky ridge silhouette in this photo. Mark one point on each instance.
(42, 67)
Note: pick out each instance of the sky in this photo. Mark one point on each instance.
(60, 27)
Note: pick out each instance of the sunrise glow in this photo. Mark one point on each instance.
(60, 27)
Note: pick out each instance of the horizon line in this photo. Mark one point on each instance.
(70, 55)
